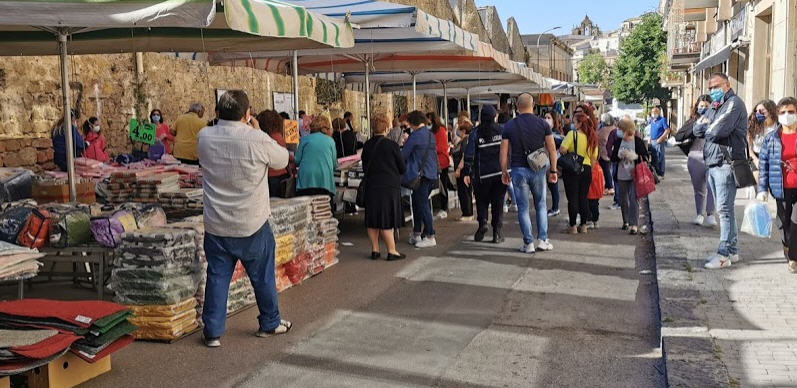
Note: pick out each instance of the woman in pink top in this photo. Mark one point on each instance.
(95, 141)
(162, 131)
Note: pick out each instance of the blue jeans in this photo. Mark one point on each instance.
(422, 209)
(526, 181)
(657, 151)
(722, 184)
(256, 253)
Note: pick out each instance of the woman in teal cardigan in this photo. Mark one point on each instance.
(316, 158)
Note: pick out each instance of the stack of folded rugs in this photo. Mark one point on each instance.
(197, 225)
(323, 236)
(182, 199)
(34, 332)
(149, 187)
(17, 263)
(156, 273)
(141, 185)
(190, 176)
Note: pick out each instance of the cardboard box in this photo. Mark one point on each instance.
(5, 382)
(67, 371)
(48, 192)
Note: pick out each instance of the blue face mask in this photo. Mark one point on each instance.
(716, 94)
(702, 111)
(156, 119)
(760, 117)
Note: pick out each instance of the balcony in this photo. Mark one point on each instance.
(683, 49)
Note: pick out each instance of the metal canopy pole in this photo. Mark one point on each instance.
(467, 101)
(445, 104)
(67, 128)
(295, 70)
(414, 92)
(367, 95)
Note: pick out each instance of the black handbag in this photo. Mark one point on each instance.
(684, 138)
(742, 169)
(416, 182)
(572, 162)
(360, 199)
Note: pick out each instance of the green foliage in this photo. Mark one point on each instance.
(327, 92)
(594, 70)
(636, 75)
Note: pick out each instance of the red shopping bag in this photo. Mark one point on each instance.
(644, 180)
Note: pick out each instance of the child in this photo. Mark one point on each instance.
(628, 151)
(594, 195)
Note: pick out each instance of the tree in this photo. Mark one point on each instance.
(636, 75)
(594, 70)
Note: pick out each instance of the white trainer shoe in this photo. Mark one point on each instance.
(527, 248)
(544, 246)
(441, 215)
(414, 239)
(735, 258)
(427, 242)
(711, 221)
(698, 220)
(717, 261)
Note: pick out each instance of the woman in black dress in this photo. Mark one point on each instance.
(383, 166)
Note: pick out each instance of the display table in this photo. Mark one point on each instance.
(97, 258)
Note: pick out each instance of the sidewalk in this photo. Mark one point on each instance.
(730, 327)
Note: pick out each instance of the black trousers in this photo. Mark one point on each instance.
(445, 185)
(606, 166)
(490, 193)
(576, 190)
(788, 219)
(465, 194)
(594, 209)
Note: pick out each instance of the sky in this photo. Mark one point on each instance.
(535, 16)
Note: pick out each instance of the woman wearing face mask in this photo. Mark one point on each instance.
(762, 121)
(162, 131)
(704, 199)
(778, 174)
(95, 141)
(58, 135)
(554, 120)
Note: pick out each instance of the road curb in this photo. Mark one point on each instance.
(690, 354)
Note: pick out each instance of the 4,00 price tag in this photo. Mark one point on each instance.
(142, 132)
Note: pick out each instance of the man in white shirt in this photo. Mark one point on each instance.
(235, 158)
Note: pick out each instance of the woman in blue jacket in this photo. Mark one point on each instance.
(59, 141)
(420, 158)
(778, 156)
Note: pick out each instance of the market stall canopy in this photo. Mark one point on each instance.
(115, 26)
(430, 80)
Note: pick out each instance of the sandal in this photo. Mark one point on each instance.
(282, 328)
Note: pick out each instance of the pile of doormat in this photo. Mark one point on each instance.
(34, 332)
(158, 267)
(323, 235)
(141, 185)
(187, 198)
(165, 322)
(18, 262)
(196, 224)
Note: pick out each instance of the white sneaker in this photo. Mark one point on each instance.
(414, 239)
(698, 220)
(442, 215)
(717, 261)
(527, 248)
(427, 242)
(735, 258)
(544, 246)
(467, 219)
(711, 221)
(506, 209)
(513, 208)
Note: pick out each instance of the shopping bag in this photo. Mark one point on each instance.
(644, 181)
(757, 220)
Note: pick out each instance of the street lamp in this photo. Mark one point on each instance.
(538, 45)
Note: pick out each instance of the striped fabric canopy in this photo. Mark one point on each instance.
(114, 26)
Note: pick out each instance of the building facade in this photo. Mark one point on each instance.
(549, 56)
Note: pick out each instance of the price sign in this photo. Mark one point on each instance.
(142, 132)
(291, 132)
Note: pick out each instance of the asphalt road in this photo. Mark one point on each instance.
(464, 314)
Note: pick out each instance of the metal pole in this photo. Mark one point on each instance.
(367, 96)
(70, 142)
(295, 69)
(414, 93)
(445, 105)
(467, 101)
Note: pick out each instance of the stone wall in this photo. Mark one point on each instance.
(495, 29)
(518, 50)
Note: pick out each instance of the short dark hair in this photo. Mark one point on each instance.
(159, 113)
(720, 75)
(347, 115)
(270, 122)
(786, 101)
(285, 116)
(233, 105)
(416, 118)
(301, 113)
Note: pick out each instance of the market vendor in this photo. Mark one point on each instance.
(95, 141)
(59, 140)
(186, 129)
(162, 131)
(236, 214)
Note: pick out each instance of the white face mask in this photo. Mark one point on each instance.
(96, 128)
(550, 122)
(787, 119)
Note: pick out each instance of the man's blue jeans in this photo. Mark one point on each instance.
(256, 253)
(723, 185)
(658, 157)
(528, 182)
(422, 209)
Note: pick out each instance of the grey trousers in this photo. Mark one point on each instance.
(704, 198)
(629, 206)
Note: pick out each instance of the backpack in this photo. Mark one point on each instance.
(11, 222)
(70, 228)
(36, 231)
(107, 231)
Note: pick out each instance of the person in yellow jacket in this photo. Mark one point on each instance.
(186, 129)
